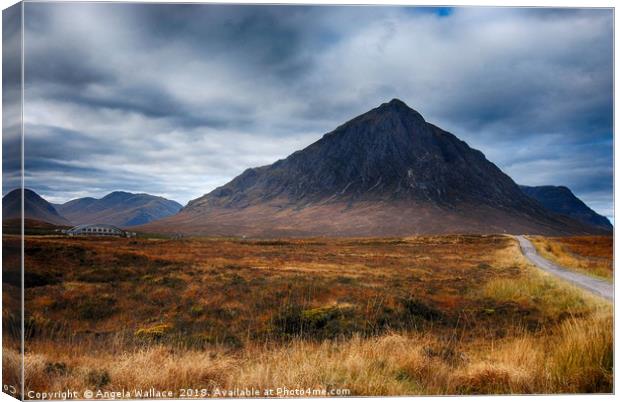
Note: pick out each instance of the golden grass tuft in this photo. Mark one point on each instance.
(11, 366)
(582, 361)
(537, 290)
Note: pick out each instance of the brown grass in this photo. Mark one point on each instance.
(391, 364)
(423, 315)
(592, 255)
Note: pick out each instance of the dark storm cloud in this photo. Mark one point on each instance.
(64, 144)
(177, 99)
(11, 98)
(148, 101)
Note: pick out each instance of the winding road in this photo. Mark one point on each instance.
(599, 287)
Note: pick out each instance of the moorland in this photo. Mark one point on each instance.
(451, 314)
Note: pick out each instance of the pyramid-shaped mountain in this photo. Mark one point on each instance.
(387, 172)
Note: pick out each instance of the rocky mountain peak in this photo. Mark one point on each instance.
(387, 153)
(398, 106)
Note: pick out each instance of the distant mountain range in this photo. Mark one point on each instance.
(561, 200)
(35, 208)
(387, 172)
(118, 208)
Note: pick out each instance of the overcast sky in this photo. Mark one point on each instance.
(175, 100)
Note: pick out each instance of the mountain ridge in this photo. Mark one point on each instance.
(561, 200)
(118, 208)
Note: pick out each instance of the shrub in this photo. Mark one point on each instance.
(104, 274)
(288, 320)
(12, 324)
(237, 280)
(57, 368)
(171, 282)
(320, 323)
(98, 378)
(40, 325)
(153, 333)
(232, 341)
(196, 310)
(415, 309)
(96, 308)
(199, 341)
(487, 379)
(484, 265)
(33, 279)
(346, 280)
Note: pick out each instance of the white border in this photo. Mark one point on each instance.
(483, 3)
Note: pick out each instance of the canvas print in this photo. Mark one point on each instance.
(227, 200)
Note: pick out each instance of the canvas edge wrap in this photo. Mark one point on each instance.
(13, 180)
